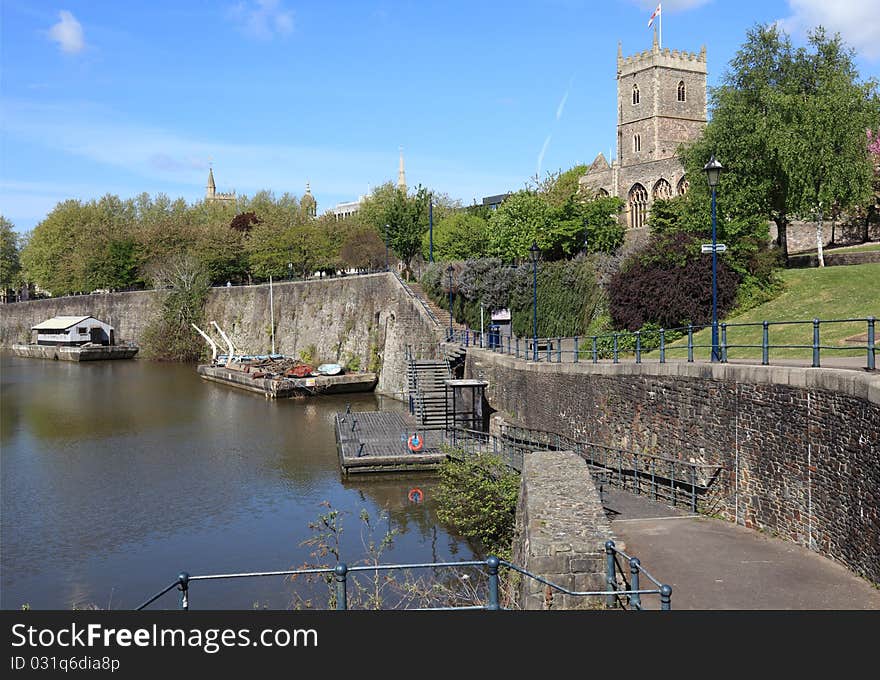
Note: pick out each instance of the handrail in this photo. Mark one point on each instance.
(628, 597)
(638, 344)
(412, 294)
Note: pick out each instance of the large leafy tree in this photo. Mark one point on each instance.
(458, 236)
(399, 218)
(10, 267)
(789, 126)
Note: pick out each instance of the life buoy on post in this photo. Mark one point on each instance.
(415, 443)
(416, 495)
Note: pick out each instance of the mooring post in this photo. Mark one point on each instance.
(341, 594)
(492, 563)
(609, 573)
(815, 343)
(183, 587)
(635, 599)
(690, 342)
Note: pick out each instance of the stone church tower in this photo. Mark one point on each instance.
(211, 193)
(661, 102)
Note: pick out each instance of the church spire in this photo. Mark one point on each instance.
(211, 189)
(401, 175)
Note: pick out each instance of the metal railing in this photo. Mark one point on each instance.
(662, 478)
(657, 344)
(424, 305)
(622, 592)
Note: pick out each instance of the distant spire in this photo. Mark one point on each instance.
(308, 188)
(401, 175)
(211, 188)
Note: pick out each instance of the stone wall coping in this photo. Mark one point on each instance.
(860, 384)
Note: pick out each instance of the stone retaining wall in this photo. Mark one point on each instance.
(800, 447)
(561, 529)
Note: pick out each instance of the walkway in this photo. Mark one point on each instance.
(712, 564)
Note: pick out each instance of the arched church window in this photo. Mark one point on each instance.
(638, 206)
(681, 91)
(635, 94)
(637, 142)
(662, 189)
(683, 186)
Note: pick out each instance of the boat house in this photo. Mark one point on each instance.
(71, 331)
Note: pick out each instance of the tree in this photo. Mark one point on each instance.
(458, 236)
(10, 267)
(523, 218)
(789, 126)
(363, 249)
(399, 218)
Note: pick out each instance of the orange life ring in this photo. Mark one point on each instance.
(416, 495)
(415, 443)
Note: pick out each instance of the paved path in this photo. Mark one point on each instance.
(712, 564)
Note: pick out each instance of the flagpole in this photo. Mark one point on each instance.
(660, 28)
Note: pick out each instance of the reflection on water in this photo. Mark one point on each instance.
(117, 475)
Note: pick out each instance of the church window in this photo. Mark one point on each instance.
(662, 189)
(683, 185)
(681, 91)
(635, 94)
(637, 142)
(638, 206)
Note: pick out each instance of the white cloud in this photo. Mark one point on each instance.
(541, 155)
(857, 21)
(68, 33)
(262, 19)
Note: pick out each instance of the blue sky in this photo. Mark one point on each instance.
(125, 97)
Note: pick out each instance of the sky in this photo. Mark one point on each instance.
(102, 96)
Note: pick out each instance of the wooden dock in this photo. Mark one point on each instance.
(278, 387)
(376, 441)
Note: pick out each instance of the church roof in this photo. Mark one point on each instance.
(599, 164)
(211, 178)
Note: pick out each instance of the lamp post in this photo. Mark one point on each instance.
(290, 271)
(713, 172)
(449, 271)
(430, 227)
(534, 251)
(386, 247)
(586, 236)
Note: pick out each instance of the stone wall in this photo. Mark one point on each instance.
(801, 236)
(834, 259)
(360, 319)
(561, 531)
(799, 447)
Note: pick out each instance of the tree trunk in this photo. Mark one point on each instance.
(819, 240)
(782, 236)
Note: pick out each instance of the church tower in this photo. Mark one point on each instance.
(401, 175)
(661, 103)
(211, 193)
(308, 203)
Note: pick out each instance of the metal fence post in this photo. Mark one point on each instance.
(635, 599)
(549, 358)
(492, 563)
(665, 598)
(467, 337)
(341, 594)
(595, 352)
(638, 347)
(614, 353)
(183, 587)
(662, 346)
(690, 342)
(693, 488)
(723, 343)
(765, 343)
(609, 573)
(575, 360)
(871, 350)
(516, 346)
(815, 343)
(559, 350)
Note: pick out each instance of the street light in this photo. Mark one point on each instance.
(586, 236)
(431, 228)
(534, 251)
(713, 172)
(290, 271)
(386, 247)
(449, 271)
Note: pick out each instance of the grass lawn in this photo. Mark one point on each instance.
(844, 292)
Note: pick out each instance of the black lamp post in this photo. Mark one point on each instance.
(586, 236)
(449, 271)
(535, 252)
(386, 247)
(713, 172)
(431, 228)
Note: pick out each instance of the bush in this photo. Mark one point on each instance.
(669, 283)
(477, 494)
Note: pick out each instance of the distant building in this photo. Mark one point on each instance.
(661, 102)
(308, 203)
(70, 331)
(211, 193)
(343, 210)
(492, 202)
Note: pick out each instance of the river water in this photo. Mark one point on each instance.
(117, 475)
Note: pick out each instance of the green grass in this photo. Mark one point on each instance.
(844, 292)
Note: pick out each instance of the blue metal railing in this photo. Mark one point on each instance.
(624, 586)
(638, 344)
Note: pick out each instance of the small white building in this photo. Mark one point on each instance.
(71, 331)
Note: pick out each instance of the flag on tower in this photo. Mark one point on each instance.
(654, 15)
